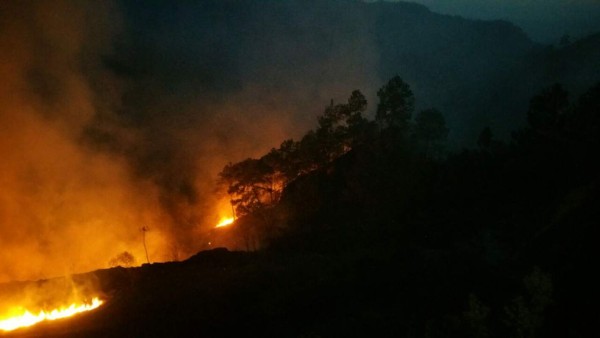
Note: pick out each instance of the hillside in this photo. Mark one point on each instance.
(372, 223)
(504, 230)
(223, 294)
(293, 56)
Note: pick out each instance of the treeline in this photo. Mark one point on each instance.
(494, 241)
(256, 184)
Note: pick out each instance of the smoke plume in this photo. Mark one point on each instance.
(117, 116)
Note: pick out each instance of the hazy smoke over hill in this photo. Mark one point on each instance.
(118, 115)
(63, 206)
(115, 116)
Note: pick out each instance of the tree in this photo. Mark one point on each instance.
(357, 103)
(250, 185)
(546, 109)
(340, 126)
(254, 184)
(430, 131)
(310, 153)
(284, 166)
(285, 161)
(396, 104)
(584, 123)
(360, 129)
(124, 259)
(476, 318)
(485, 138)
(565, 40)
(331, 132)
(525, 315)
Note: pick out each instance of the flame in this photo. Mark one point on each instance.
(225, 221)
(226, 214)
(25, 318)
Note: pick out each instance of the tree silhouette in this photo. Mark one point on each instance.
(485, 138)
(331, 133)
(430, 131)
(565, 40)
(124, 259)
(341, 126)
(360, 130)
(396, 104)
(284, 162)
(525, 314)
(254, 184)
(546, 109)
(584, 123)
(357, 103)
(249, 183)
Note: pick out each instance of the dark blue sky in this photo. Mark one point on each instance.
(543, 20)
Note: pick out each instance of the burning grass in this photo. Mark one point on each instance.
(225, 222)
(24, 304)
(19, 317)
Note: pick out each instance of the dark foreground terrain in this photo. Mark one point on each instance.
(221, 293)
(378, 233)
(418, 292)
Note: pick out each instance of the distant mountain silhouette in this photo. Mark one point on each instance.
(299, 54)
(296, 55)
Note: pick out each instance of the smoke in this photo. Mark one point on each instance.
(203, 84)
(63, 206)
(48, 295)
(118, 116)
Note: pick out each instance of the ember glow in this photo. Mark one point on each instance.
(225, 221)
(20, 317)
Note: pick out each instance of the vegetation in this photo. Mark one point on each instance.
(439, 242)
(124, 259)
(371, 233)
(256, 184)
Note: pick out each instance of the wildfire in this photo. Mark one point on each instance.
(24, 318)
(225, 221)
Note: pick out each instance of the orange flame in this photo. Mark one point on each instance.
(25, 318)
(225, 221)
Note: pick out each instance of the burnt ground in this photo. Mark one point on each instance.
(220, 293)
